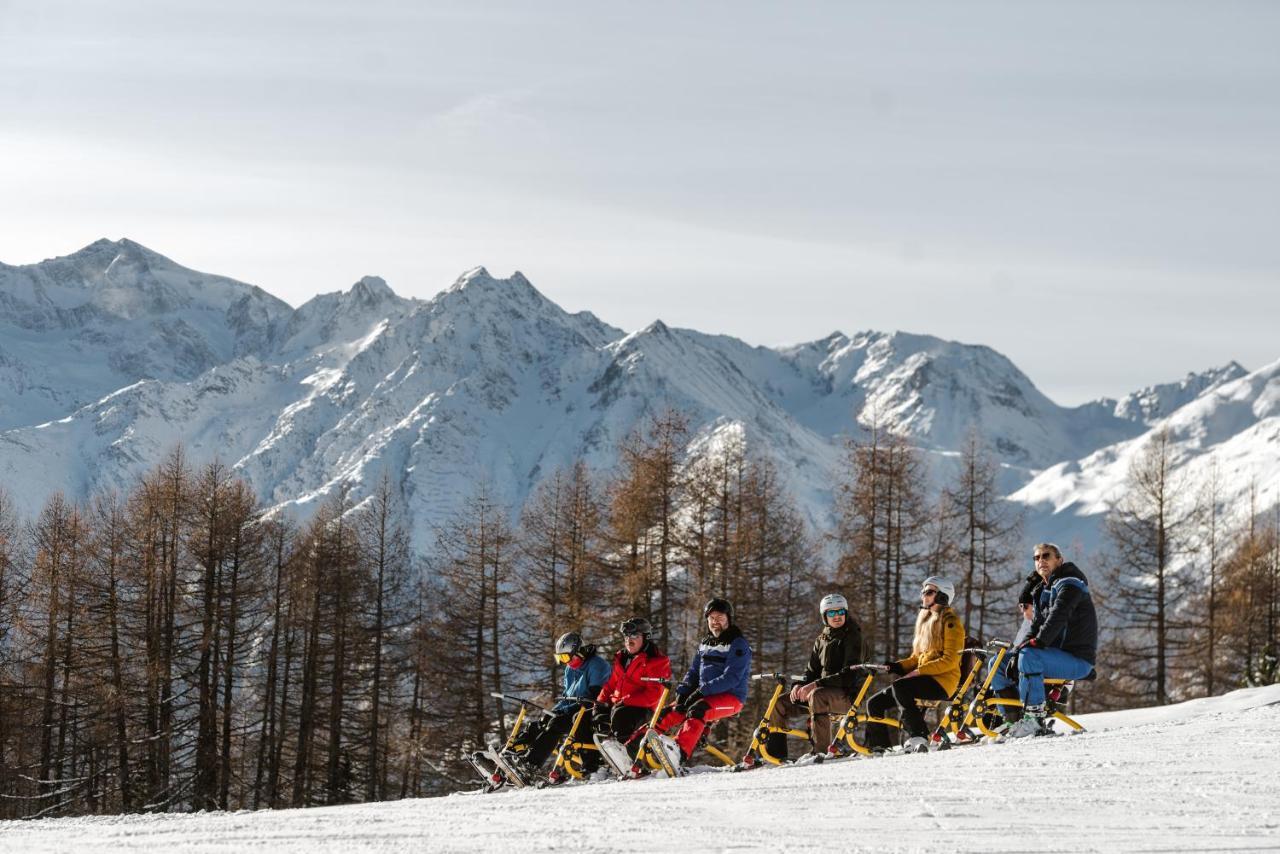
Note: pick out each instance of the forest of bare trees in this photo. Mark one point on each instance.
(176, 647)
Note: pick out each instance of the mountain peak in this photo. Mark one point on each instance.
(371, 290)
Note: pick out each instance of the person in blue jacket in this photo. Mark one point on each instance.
(585, 673)
(716, 685)
(1062, 642)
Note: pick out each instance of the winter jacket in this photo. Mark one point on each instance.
(1065, 617)
(833, 652)
(584, 681)
(938, 647)
(625, 686)
(722, 665)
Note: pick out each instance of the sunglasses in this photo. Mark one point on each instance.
(929, 591)
(838, 613)
(1044, 556)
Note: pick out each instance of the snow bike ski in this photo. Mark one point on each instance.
(494, 765)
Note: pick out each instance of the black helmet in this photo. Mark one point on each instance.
(724, 606)
(636, 626)
(569, 643)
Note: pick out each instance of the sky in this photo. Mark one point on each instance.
(1093, 189)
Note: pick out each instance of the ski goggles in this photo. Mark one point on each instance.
(563, 657)
(837, 612)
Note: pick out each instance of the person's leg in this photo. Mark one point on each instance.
(700, 714)
(554, 728)
(822, 705)
(626, 720)
(907, 691)
(878, 707)
(783, 709)
(1037, 665)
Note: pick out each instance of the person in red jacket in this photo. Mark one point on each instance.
(626, 701)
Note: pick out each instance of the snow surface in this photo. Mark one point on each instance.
(1199, 776)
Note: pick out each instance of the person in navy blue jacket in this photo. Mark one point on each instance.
(585, 673)
(1062, 642)
(716, 685)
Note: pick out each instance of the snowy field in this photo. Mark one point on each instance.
(1200, 776)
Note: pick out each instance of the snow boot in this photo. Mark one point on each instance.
(1031, 724)
(916, 744)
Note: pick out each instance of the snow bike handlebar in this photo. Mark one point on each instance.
(781, 677)
(657, 679)
(873, 668)
(529, 704)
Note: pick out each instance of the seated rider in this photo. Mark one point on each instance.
(584, 674)
(827, 686)
(626, 702)
(931, 672)
(1063, 640)
(716, 685)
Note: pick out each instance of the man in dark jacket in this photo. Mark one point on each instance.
(827, 686)
(1063, 640)
(716, 685)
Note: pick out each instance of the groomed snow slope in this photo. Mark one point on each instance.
(1201, 776)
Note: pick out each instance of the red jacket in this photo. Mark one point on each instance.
(624, 685)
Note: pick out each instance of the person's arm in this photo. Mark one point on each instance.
(690, 681)
(610, 685)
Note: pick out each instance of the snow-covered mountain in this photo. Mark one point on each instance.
(112, 355)
(77, 328)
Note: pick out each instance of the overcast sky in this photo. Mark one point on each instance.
(1091, 188)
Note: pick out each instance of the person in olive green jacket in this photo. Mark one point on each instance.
(932, 672)
(827, 686)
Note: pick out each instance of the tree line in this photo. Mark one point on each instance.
(178, 647)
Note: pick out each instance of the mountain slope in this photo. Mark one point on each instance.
(113, 354)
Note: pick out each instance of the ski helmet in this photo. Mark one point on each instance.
(945, 589)
(569, 643)
(724, 606)
(832, 602)
(636, 626)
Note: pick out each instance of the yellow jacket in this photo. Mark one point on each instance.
(939, 643)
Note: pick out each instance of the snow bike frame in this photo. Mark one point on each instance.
(759, 738)
(984, 704)
(525, 707)
(569, 760)
(950, 721)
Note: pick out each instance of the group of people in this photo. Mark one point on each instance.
(1058, 640)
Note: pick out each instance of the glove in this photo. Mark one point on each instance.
(685, 703)
(1029, 642)
(895, 668)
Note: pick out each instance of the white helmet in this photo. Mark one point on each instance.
(832, 602)
(946, 588)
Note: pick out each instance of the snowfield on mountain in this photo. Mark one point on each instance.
(113, 354)
(1199, 776)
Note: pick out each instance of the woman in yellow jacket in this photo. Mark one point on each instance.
(932, 672)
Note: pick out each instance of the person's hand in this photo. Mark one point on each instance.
(895, 668)
(912, 673)
(1029, 642)
(685, 703)
(1028, 610)
(802, 693)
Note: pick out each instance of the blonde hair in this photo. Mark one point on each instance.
(929, 631)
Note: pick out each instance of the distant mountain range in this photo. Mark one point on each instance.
(113, 354)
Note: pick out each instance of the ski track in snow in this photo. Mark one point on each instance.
(1201, 776)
